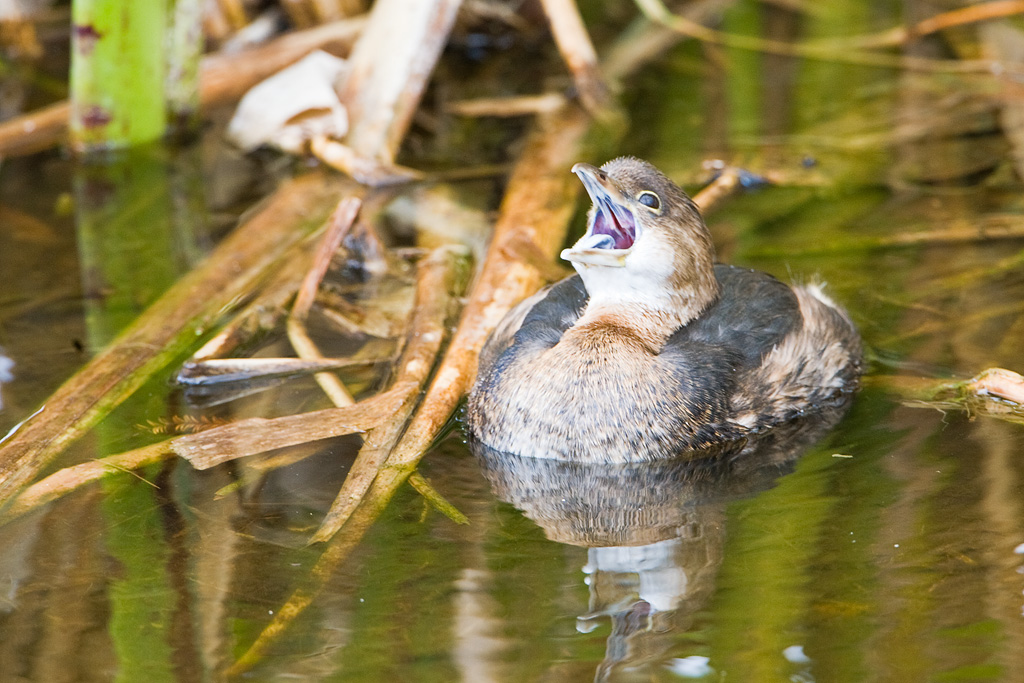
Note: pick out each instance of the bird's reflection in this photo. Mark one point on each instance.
(655, 531)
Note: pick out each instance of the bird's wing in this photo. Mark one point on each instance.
(753, 314)
(542, 317)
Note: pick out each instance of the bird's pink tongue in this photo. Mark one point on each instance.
(606, 222)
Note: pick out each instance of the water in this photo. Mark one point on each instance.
(889, 548)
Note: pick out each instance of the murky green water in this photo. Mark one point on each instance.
(890, 548)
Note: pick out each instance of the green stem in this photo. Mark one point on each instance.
(117, 73)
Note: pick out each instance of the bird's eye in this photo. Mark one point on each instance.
(650, 200)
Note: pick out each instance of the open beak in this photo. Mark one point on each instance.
(612, 228)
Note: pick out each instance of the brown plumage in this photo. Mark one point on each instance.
(653, 349)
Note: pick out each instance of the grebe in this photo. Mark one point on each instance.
(652, 348)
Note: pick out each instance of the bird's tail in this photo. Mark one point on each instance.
(816, 366)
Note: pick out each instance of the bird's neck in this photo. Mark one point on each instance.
(615, 324)
(649, 322)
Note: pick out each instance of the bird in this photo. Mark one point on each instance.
(652, 348)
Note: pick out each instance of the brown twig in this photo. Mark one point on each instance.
(435, 288)
(366, 170)
(723, 185)
(224, 370)
(972, 14)
(35, 131)
(339, 225)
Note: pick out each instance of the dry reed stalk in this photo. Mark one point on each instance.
(72, 478)
(436, 275)
(507, 106)
(265, 311)
(723, 185)
(578, 52)
(390, 65)
(258, 435)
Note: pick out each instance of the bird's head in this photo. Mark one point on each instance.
(646, 243)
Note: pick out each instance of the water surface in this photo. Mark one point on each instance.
(889, 547)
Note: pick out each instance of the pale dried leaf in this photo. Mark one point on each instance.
(292, 106)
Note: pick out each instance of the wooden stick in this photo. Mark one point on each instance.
(36, 131)
(723, 185)
(368, 171)
(224, 78)
(972, 14)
